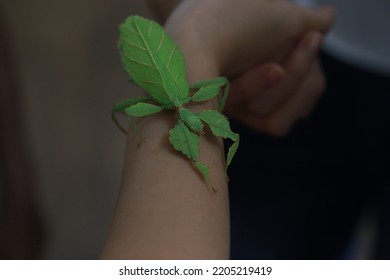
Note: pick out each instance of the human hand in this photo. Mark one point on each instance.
(234, 36)
(269, 46)
(271, 97)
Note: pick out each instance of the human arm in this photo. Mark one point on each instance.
(272, 95)
(164, 209)
(272, 98)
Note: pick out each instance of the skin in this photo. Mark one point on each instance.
(273, 94)
(272, 98)
(157, 66)
(164, 209)
(170, 215)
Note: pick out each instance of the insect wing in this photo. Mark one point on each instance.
(120, 107)
(219, 82)
(232, 151)
(142, 109)
(153, 61)
(205, 171)
(218, 124)
(184, 141)
(206, 93)
(210, 83)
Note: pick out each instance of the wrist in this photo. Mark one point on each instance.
(200, 61)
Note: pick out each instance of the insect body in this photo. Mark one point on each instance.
(154, 63)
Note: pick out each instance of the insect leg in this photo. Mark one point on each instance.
(119, 108)
(211, 88)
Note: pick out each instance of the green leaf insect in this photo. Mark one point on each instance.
(154, 63)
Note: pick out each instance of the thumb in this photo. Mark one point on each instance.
(319, 19)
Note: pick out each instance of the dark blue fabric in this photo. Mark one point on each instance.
(299, 197)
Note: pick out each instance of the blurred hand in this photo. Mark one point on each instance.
(236, 35)
(271, 47)
(271, 97)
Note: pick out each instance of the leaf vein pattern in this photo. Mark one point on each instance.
(150, 82)
(146, 44)
(171, 55)
(191, 149)
(130, 30)
(218, 124)
(134, 45)
(161, 40)
(140, 62)
(151, 56)
(169, 70)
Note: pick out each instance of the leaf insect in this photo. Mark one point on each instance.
(154, 63)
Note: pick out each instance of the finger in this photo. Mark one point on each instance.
(296, 66)
(299, 105)
(305, 19)
(255, 80)
(314, 86)
(320, 19)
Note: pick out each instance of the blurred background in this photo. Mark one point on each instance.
(61, 155)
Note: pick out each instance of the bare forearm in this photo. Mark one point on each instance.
(165, 210)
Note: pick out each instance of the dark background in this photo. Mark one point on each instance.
(63, 62)
(66, 68)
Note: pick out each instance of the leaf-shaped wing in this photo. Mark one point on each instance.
(142, 109)
(218, 123)
(206, 93)
(220, 126)
(187, 142)
(207, 90)
(205, 171)
(219, 82)
(153, 61)
(232, 151)
(120, 107)
(184, 141)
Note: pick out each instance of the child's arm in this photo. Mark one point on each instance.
(271, 95)
(165, 210)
